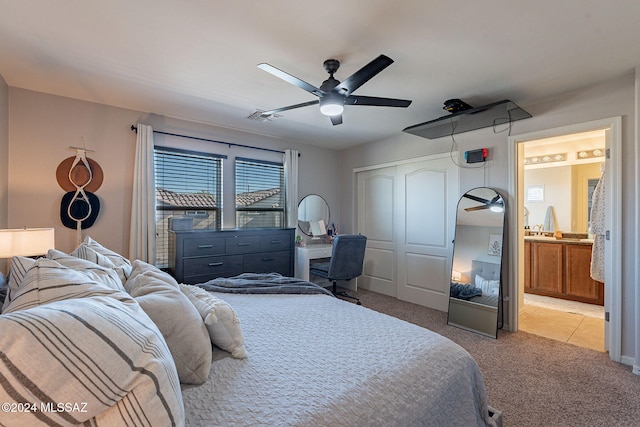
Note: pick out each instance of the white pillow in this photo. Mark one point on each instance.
(104, 275)
(95, 252)
(17, 270)
(180, 324)
(220, 319)
(489, 287)
(146, 269)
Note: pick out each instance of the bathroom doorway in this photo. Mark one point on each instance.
(560, 302)
(523, 152)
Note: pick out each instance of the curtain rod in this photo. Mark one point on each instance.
(230, 144)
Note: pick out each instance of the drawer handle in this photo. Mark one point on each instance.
(268, 259)
(204, 246)
(244, 244)
(215, 264)
(276, 242)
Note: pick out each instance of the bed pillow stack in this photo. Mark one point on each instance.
(69, 337)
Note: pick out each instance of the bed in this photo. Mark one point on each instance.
(283, 353)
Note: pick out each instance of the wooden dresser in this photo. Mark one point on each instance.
(197, 256)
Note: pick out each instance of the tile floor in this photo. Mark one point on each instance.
(571, 327)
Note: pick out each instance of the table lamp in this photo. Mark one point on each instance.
(26, 242)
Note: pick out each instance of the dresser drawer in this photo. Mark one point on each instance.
(213, 266)
(269, 262)
(203, 246)
(275, 242)
(242, 244)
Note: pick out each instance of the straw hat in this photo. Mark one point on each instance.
(78, 177)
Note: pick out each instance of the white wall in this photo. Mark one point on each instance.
(615, 97)
(42, 127)
(4, 159)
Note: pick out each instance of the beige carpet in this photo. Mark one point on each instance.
(533, 380)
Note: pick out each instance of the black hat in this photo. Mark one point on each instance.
(82, 206)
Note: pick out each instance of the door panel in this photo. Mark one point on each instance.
(428, 193)
(376, 213)
(408, 214)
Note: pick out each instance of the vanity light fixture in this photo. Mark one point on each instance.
(590, 154)
(547, 158)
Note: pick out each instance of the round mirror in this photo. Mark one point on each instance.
(313, 215)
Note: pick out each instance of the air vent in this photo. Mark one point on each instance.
(263, 117)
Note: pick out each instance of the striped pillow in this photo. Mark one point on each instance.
(19, 267)
(48, 281)
(95, 252)
(104, 275)
(104, 355)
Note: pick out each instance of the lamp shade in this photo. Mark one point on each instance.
(26, 241)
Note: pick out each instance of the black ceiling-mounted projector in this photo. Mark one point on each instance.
(456, 105)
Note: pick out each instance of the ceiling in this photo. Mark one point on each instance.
(197, 60)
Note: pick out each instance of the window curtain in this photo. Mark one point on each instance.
(291, 185)
(142, 240)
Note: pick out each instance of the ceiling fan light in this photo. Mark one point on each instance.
(497, 207)
(331, 106)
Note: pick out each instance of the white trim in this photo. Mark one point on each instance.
(613, 257)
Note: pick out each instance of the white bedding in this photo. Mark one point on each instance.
(314, 360)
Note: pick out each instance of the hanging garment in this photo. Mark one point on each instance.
(597, 227)
(550, 220)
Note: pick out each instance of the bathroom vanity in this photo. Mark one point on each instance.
(560, 268)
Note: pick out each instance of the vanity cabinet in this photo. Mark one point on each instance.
(197, 256)
(560, 268)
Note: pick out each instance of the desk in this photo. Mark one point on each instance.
(304, 254)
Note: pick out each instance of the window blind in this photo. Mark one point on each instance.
(260, 193)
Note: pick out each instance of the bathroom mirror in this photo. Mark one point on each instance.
(475, 297)
(313, 215)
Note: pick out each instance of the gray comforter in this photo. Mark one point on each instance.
(262, 283)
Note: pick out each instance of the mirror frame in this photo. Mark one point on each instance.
(315, 217)
(480, 314)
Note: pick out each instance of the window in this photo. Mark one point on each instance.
(260, 193)
(188, 184)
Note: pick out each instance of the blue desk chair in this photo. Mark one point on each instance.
(347, 259)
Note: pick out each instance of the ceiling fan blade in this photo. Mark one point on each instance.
(477, 208)
(363, 75)
(376, 102)
(476, 198)
(291, 79)
(336, 120)
(291, 107)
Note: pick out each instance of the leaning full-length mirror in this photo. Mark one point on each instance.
(475, 294)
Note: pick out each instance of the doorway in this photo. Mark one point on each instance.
(612, 292)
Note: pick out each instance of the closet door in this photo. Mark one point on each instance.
(428, 195)
(407, 212)
(377, 212)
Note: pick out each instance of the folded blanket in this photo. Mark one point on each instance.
(262, 283)
(466, 292)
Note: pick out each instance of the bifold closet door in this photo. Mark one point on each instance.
(407, 211)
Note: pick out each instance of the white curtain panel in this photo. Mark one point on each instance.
(291, 184)
(142, 240)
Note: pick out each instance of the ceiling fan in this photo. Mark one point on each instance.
(496, 204)
(334, 95)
